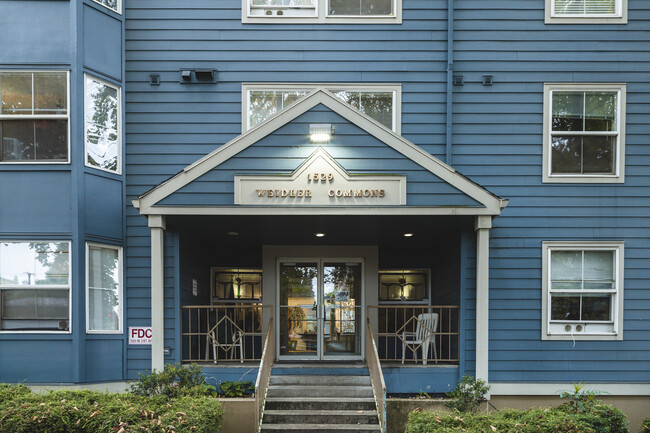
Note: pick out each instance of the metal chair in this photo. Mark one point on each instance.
(237, 341)
(424, 336)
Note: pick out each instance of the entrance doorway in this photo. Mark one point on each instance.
(320, 308)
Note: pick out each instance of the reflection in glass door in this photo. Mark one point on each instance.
(320, 309)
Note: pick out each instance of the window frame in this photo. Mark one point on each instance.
(620, 17)
(44, 116)
(120, 293)
(375, 87)
(321, 16)
(425, 301)
(117, 11)
(119, 124)
(230, 269)
(617, 297)
(70, 285)
(619, 162)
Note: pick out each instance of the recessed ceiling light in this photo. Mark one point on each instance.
(408, 235)
(233, 233)
(319, 235)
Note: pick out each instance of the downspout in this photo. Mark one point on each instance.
(450, 78)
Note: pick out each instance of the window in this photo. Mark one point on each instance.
(102, 119)
(239, 285)
(586, 11)
(323, 11)
(582, 290)
(34, 286)
(34, 116)
(382, 102)
(404, 285)
(584, 133)
(114, 5)
(104, 289)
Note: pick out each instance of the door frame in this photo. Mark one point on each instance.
(320, 352)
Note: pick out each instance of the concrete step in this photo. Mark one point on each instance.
(331, 369)
(320, 417)
(321, 428)
(302, 391)
(316, 403)
(325, 380)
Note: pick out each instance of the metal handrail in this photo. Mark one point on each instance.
(376, 376)
(264, 374)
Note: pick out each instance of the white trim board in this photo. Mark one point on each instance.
(146, 202)
(557, 388)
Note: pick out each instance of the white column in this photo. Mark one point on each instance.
(482, 226)
(157, 225)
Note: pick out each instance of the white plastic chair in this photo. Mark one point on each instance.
(424, 336)
(236, 342)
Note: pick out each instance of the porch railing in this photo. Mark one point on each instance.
(264, 374)
(214, 333)
(403, 331)
(376, 376)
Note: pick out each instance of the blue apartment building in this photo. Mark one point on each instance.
(435, 188)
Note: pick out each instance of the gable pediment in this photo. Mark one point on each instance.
(276, 166)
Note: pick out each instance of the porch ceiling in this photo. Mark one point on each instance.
(384, 231)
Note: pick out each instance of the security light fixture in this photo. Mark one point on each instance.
(319, 235)
(186, 75)
(320, 132)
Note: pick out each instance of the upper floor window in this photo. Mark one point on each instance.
(584, 133)
(34, 116)
(114, 5)
(586, 11)
(324, 11)
(102, 117)
(378, 101)
(582, 289)
(34, 286)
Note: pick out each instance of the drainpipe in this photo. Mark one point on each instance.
(450, 78)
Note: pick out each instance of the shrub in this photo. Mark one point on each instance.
(174, 381)
(468, 395)
(597, 418)
(22, 411)
(645, 427)
(236, 389)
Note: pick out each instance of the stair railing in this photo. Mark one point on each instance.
(376, 376)
(264, 374)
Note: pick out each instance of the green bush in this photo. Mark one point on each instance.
(236, 389)
(597, 418)
(174, 381)
(22, 411)
(645, 428)
(468, 395)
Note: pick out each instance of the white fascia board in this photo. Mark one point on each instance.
(314, 210)
(557, 388)
(321, 96)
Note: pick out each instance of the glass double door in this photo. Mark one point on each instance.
(320, 302)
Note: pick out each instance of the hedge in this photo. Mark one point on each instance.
(600, 418)
(645, 428)
(22, 411)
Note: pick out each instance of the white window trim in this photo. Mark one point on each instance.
(617, 308)
(120, 293)
(70, 256)
(119, 124)
(619, 162)
(395, 88)
(322, 17)
(36, 116)
(620, 17)
(119, 6)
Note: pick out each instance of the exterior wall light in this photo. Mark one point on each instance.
(320, 132)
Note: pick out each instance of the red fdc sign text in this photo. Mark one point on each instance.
(140, 335)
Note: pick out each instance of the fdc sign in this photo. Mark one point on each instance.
(140, 335)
